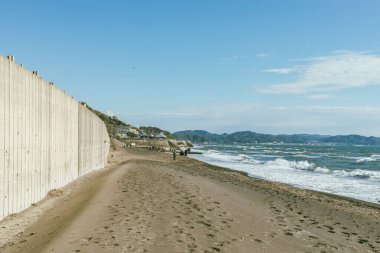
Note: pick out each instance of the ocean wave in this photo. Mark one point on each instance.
(283, 164)
(197, 150)
(280, 163)
(340, 176)
(371, 158)
(265, 156)
(365, 174)
(365, 159)
(256, 147)
(307, 156)
(298, 165)
(322, 170)
(296, 152)
(214, 154)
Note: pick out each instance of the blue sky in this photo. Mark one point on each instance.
(291, 66)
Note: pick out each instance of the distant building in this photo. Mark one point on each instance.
(125, 131)
(133, 130)
(142, 135)
(160, 136)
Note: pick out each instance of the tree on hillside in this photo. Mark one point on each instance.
(149, 130)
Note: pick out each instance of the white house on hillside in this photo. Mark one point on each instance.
(160, 136)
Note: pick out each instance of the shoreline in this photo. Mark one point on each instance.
(295, 189)
(359, 201)
(146, 202)
(330, 182)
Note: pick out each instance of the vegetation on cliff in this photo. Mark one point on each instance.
(201, 136)
(113, 124)
(149, 130)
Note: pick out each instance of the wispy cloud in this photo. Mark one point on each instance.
(320, 96)
(337, 71)
(281, 70)
(235, 57)
(263, 55)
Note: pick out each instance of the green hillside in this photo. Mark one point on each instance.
(201, 136)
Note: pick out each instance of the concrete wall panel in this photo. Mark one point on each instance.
(93, 141)
(2, 135)
(47, 138)
(6, 138)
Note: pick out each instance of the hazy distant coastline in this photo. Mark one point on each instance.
(202, 136)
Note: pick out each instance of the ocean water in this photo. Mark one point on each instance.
(352, 171)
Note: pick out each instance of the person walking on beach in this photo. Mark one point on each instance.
(174, 154)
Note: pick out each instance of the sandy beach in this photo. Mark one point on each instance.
(143, 201)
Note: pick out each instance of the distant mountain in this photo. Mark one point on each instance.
(353, 139)
(201, 136)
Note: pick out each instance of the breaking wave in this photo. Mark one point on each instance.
(281, 163)
(304, 165)
(371, 158)
(364, 174)
(229, 158)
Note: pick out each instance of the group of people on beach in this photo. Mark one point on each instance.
(181, 153)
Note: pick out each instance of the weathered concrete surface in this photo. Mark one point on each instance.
(47, 139)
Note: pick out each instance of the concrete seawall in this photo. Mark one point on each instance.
(47, 139)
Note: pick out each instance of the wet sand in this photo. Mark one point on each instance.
(146, 202)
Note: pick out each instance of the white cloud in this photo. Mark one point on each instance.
(338, 71)
(320, 96)
(235, 57)
(281, 70)
(263, 55)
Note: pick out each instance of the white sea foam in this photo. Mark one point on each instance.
(372, 158)
(365, 159)
(266, 156)
(359, 184)
(282, 163)
(322, 170)
(228, 157)
(307, 156)
(370, 174)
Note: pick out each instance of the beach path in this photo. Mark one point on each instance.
(146, 202)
